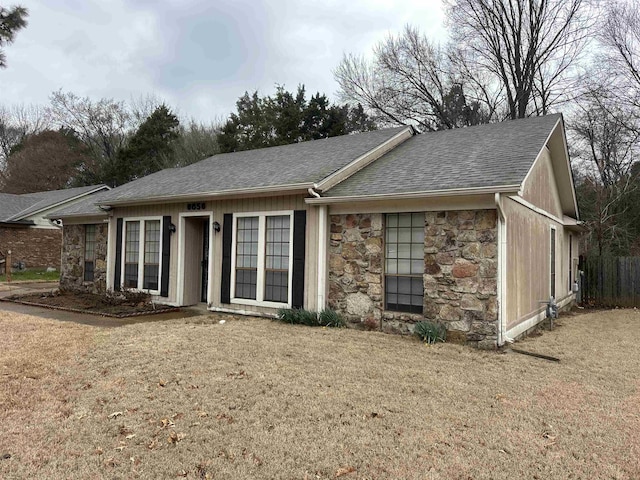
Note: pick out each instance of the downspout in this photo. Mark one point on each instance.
(322, 252)
(502, 272)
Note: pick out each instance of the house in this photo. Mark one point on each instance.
(474, 227)
(34, 240)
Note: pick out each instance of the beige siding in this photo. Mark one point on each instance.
(540, 187)
(528, 268)
(219, 208)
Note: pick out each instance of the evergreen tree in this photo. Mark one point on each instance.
(11, 20)
(150, 149)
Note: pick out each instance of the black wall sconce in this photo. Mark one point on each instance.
(172, 228)
(216, 227)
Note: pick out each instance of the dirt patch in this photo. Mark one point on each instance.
(119, 305)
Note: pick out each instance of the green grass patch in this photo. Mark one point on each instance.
(30, 275)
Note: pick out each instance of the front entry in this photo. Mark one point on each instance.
(204, 263)
(196, 236)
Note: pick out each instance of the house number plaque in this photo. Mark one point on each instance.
(193, 207)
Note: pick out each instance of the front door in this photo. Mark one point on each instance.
(204, 264)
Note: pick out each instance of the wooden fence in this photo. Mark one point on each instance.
(610, 281)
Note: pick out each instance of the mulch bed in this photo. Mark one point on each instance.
(107, 306)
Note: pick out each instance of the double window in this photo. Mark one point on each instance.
(262, 258)
(89, 252)
(404, 262)
(142, 254)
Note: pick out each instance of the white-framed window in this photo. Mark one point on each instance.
(262, 258)
(141, 245)
(404, 262)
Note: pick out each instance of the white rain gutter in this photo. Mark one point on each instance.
(322, 252)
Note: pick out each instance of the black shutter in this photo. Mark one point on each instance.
(299, 235)
(117, 276)
(166, 255)
(227, 236)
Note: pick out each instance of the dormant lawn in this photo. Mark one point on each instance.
(252, 398)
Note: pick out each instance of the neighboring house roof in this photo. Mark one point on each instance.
(298, 165)
(17, 208)
(87, 207)
(494, 155)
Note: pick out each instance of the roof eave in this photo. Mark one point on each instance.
(18, 216)
(512, 189)
(254, 191)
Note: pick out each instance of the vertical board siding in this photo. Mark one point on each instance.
(541, 188)
(219, 208)
(611, 281)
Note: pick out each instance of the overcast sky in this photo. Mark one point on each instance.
(199, 56)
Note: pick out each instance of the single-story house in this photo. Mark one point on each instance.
(473, 227)
(33, 239)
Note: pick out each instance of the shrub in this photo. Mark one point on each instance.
(430, 332)
(326, 318)
(331, 318)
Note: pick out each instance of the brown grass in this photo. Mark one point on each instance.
(257, 399)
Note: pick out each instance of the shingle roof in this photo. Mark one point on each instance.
(17, 207)
(491, 155)
(300, 163)
(85, 207)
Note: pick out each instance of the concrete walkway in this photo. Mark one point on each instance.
(7, 290)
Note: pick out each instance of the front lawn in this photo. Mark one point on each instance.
(31, 275)
(253, 398)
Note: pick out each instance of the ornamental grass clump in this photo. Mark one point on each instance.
(326, 318)
(430, 332)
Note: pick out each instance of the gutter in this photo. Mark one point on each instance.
(275, 189)
(502, 272)
(506, 189)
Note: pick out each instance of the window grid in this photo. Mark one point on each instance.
(247, 232)
(89, 252)
(404, 262)
(131, 254)
(277, 259)
(151, 254)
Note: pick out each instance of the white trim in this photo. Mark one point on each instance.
(538, 210)
(363, 160)
(182, 253)
(260, 273)
(553, 261)
(425, 194)
(252, 313)
(522, 327)
(501, 288)
(322, 257)
(141, 245)
(539, 155)
(275, 189)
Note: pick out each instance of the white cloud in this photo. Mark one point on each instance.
(198, 55)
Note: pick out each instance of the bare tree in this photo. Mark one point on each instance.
(410, 81)
(196, 142)
(530, 48)
(606, 147)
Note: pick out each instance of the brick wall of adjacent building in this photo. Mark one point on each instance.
(35, 247)
(460, 274)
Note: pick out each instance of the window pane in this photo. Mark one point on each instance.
(246, 257)
(404, 262)
(277, 259)
(131, 254)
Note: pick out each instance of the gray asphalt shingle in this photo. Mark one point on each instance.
(16, 207)
(300, 163)
(497, 154)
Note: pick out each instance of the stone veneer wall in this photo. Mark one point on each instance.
(460, 276)
(72, 271)
(36, 247)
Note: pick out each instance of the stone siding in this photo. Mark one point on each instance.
(36, 247)
(460, 275)
(72, 272)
